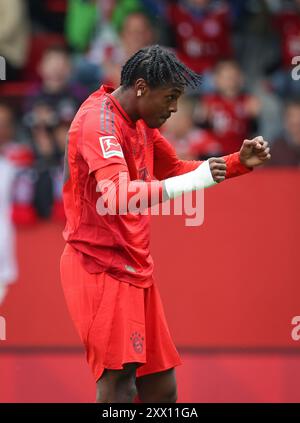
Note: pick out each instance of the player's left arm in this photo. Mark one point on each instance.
(252, 153)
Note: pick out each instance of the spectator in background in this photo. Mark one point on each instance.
(49, 113)
(120, 28)
(202, 34)
(189, 141)
(55, 90)
(110, 53)
(286, 150)
(106, 18)
(14, 36)
(48, 133)
(228, 112)
(8, 270)
(155, 10)
(135, 34)
(255, 43)
(20, 156)
(287, 25)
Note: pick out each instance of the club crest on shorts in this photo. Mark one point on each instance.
(110, 147)
(137, 342)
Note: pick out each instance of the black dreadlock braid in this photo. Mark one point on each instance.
(157, 66)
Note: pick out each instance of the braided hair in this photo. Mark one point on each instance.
(158, 66)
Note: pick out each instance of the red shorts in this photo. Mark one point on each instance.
(118, 323)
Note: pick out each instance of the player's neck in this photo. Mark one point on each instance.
(127, 99)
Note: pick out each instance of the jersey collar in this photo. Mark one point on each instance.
(108, 90)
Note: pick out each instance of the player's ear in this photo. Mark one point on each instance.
(141, 87)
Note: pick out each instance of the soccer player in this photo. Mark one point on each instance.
(106, 267)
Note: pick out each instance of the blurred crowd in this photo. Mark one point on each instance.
(58, 51)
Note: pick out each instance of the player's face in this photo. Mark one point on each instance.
(157, 105)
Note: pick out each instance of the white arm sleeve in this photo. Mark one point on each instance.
(191, 181)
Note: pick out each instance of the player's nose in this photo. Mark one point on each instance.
(173, 107)
(172, 110)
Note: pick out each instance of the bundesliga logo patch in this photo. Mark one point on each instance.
(110, 147)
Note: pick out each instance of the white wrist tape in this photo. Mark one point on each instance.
(196, 179)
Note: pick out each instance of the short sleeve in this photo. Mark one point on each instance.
(100, 143)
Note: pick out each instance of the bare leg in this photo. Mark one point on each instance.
(158, 387)
(117, 386)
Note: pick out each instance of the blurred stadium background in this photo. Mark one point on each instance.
(239, 270)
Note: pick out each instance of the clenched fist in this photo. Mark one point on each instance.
(255, 152)
(218, 168)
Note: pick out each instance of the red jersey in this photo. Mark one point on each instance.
(103, 139)
(229, 120)
(201, 40)
(288, 25)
